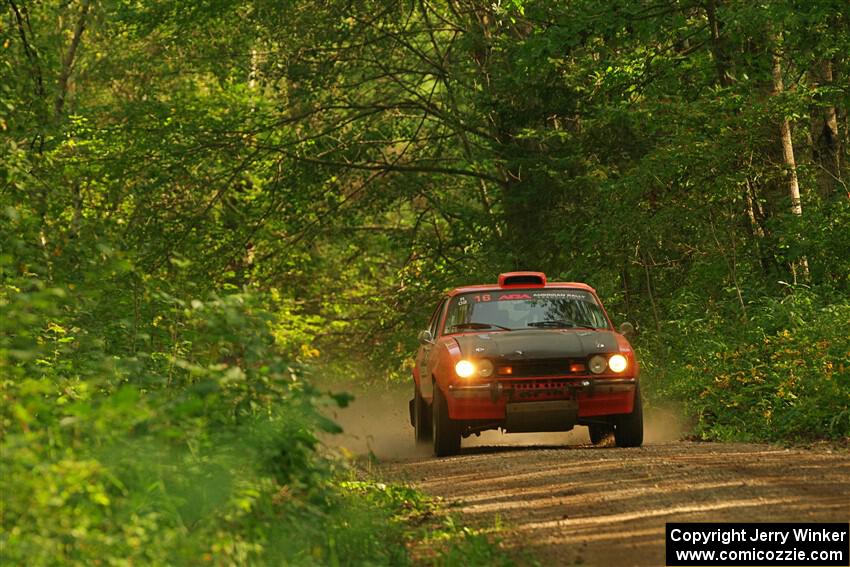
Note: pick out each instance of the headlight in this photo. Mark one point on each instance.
(464, 369)
(467, 368)
(485, 368)
(617, 363)
(598, 364)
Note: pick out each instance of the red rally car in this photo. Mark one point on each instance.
(524, 355)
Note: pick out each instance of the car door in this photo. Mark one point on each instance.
(424, 364)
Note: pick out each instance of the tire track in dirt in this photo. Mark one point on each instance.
(590, 505)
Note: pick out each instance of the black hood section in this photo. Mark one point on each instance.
(537, 344)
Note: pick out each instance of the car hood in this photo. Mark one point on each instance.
(537, 344)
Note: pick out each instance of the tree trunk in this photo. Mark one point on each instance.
(826, 141)
(801, 265)
(649, 285)
(718, 48)
(525, 190)
(68, 61)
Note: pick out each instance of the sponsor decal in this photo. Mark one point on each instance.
(514, 296)
(561, 295)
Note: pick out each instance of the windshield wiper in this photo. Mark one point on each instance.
(560, 324)
(477, 325)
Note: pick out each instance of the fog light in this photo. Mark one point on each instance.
(598, 364)
(485, 368)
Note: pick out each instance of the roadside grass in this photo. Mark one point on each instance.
(423, 528)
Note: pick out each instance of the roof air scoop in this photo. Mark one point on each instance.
(522, 279)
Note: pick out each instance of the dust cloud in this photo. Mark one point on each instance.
(377, 422)
(663, 424)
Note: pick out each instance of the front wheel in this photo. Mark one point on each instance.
(628, 428)
(445, 432)
(421, 417)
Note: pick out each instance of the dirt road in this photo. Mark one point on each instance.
(571, 503)
(579, 504)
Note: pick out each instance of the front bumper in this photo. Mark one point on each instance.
(594, 396)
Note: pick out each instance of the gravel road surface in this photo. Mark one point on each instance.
(570, 503)
(579, 504)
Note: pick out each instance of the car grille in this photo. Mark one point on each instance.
(535, 368)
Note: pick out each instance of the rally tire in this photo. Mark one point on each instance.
(599, 432)
(445, 432)
(421, 417)
(628, 428)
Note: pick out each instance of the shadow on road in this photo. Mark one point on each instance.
(576, 503)
(492, 449)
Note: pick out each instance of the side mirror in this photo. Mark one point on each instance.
(627, 329)
(425, 337)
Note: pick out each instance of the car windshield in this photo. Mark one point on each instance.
(524, 309)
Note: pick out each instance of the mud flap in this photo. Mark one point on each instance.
(412, 411)
(528, 417)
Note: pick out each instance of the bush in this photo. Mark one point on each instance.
(781, 375)
(184, 438)
(159, 456)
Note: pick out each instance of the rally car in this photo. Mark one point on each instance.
(524, 355)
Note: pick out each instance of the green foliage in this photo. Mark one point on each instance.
(156, 456)
(782, 375)
(182, 435)
(202, 203)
